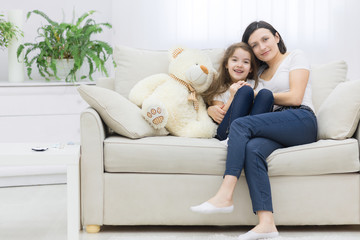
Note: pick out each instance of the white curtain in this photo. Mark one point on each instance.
(327, 30)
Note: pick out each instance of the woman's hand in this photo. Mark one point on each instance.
(216, 113)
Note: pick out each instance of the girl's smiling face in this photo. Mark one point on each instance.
(239, 65)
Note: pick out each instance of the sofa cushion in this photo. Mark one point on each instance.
(164, 154)
(324, 78)
(338, 116)
(135, 64)
(169, 154)
(121, 115)
(321, 157)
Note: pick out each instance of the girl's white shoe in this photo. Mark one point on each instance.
(208, 208)
(250, 235)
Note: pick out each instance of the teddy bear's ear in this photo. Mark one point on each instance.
(175, 52)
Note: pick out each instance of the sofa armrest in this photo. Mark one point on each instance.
(357, 135)
(92, 167)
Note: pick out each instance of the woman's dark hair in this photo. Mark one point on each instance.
(262, 24)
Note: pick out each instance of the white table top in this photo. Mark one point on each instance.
(12, 154)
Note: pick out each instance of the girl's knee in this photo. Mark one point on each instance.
(265, 93)
(244, 97)
(245, 91)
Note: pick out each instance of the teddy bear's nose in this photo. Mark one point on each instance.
(204, 69)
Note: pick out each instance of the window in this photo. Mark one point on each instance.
(324, 29)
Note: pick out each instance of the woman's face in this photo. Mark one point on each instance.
(264, 44)
(239, 65)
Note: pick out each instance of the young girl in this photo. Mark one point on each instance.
(232, 94)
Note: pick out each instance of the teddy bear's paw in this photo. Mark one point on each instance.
(156, 116)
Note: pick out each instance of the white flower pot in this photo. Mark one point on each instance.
(63, 67)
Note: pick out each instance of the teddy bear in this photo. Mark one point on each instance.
(173, 101)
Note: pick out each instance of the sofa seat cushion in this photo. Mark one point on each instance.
(321, 157)
(164, 154)
(169, 154)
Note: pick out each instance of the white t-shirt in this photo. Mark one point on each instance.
(280, 81)
(224, 97)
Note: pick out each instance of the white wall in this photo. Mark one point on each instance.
(327, 30)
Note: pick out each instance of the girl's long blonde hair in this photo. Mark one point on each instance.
(223, 82)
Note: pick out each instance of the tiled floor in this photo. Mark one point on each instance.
(39, 213)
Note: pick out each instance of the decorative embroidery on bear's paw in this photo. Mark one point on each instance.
(155, 116)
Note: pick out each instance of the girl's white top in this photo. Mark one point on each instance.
(280, 81)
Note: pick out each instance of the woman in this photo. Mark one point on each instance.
(235, 92)
(291, 123)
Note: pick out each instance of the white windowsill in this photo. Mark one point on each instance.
(38, 83)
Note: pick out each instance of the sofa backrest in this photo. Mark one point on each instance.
(136, 64)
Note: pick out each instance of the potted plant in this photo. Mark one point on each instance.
(8, 31)
(69, 42)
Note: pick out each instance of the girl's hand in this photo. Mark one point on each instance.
(216, 113)
(236, 86)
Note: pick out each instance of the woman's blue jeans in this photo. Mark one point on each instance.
(253, 138)
(244, 104)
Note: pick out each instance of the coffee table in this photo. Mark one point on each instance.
(21, 154)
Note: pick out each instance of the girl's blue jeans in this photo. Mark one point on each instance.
(253, 138)
(244, 104)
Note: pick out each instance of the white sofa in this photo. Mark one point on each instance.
(131, 176)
